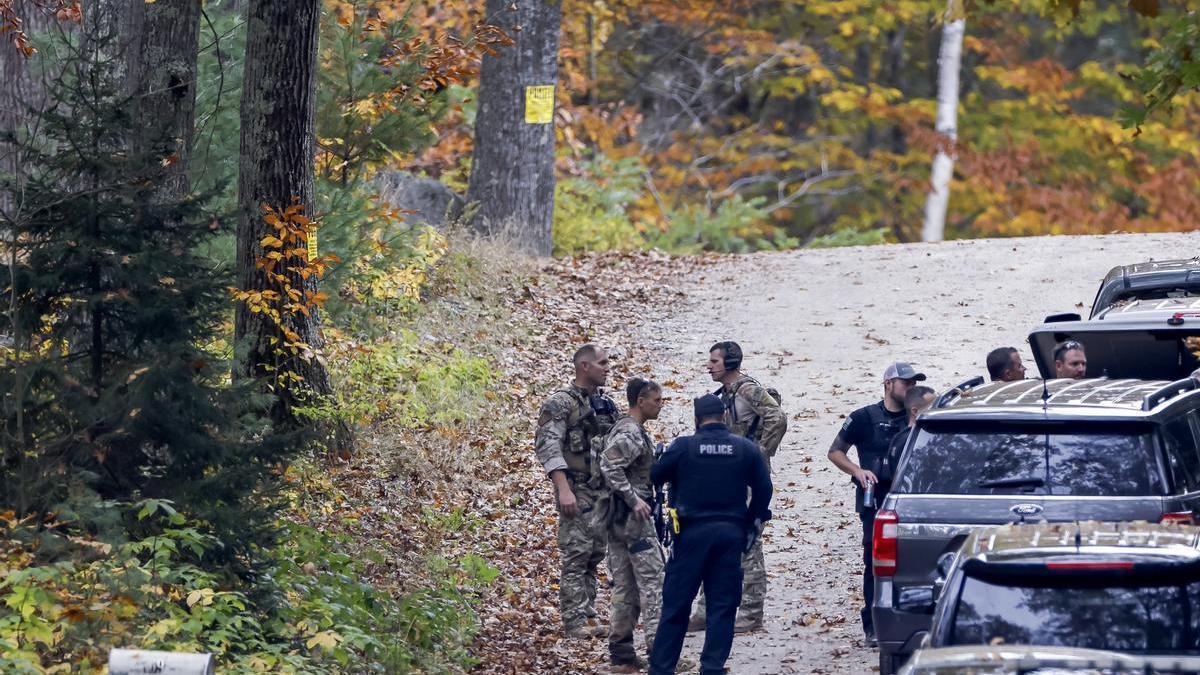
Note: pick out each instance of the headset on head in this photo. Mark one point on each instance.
(733, 355)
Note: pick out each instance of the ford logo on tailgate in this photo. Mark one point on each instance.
(1024, 510)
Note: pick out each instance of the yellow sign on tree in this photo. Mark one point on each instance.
(539, 104)
(312, 243)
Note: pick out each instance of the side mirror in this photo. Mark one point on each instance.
(944, 564)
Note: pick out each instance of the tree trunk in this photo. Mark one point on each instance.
(949, 61)
(166, 84)
(21, 95)
(277, 143)
(512, 175)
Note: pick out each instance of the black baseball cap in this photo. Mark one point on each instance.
(708, 405)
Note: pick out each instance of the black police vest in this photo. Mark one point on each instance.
(884, 428)
(712, 481)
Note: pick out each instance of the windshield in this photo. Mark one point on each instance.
(1142, 619)
(1113, 461)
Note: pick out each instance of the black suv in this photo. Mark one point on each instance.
(1145, 323)
(1027, 451)
(1149, 339)
(1026, 660)
(1165, 279)
(1125, 587)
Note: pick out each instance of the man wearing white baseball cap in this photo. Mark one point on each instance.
(870, 430)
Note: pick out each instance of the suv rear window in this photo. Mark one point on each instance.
(1144, 619)
(1109, 460)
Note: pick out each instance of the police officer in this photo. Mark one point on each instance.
(754, 413)
(916, 401)
(870, 430)
(571, 428)
(709, 474)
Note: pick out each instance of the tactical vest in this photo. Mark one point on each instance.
(883, 429)
(587, 425)
(729, 398)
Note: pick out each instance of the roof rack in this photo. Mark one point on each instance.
(962, 387)
(1168, 392)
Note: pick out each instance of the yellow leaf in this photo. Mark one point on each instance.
(203, 596)
(270, 242)
(326, 639)
(163, 627)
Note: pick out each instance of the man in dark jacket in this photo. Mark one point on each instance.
(709, 474)
(916, 401)
(869, 430)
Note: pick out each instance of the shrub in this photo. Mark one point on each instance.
(850, 237)
(591, 209)
(736, 225)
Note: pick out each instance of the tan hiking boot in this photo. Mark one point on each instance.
(746, 625)
(586, 631)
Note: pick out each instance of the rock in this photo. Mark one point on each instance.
(430, 201)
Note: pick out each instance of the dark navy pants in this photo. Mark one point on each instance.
(708, 554)
(868, 523)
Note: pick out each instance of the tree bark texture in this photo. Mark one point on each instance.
(512, 175)
(277, 143)
(166, 86)
(21, 92)
(949, 61)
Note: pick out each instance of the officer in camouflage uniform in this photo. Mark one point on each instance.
(635, 560)
(754, 413)
(571, 429)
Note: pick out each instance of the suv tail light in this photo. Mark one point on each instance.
(884, 543)
(1178, 518)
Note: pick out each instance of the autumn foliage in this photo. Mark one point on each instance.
(820, 117)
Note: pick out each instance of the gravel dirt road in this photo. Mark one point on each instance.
(820, 325)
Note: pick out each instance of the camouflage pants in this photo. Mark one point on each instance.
(754, 586)
(582, 541)
(635, 562)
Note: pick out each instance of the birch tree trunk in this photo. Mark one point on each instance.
(512, 175)
(949, 63)
(278, 112)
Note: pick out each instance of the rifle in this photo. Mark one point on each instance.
(662, 524)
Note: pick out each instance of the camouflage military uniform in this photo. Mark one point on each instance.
(571, 427)
(751, 412)
(747, 406)
(635, 560)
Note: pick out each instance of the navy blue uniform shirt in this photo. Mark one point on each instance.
(709, 474)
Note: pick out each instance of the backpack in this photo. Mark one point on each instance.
(731, 404)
